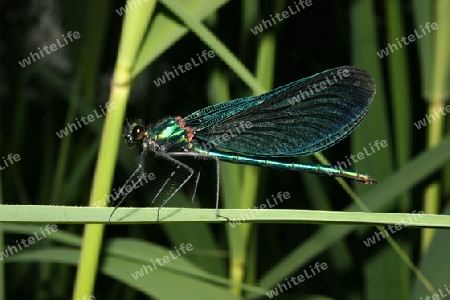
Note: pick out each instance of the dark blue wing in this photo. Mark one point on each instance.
(300, 118)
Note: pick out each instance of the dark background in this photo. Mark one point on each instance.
(35, 103)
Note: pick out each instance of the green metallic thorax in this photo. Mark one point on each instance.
(168, 134)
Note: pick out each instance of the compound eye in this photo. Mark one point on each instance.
(138, 132)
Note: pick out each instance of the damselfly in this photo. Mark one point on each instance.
(297, 119)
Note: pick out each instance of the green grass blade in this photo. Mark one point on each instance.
(434, 48)
(134, 27)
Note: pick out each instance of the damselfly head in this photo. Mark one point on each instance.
(134, 133)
